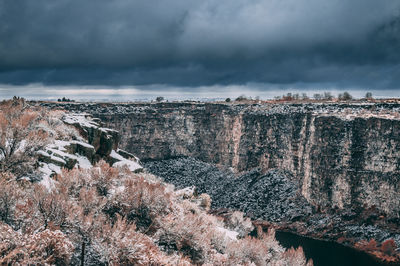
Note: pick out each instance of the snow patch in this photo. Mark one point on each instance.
(83, 162)
(48, 170)
(133, 166)
(230, 234)
(83, 144)
(186, 192)
(80, 119)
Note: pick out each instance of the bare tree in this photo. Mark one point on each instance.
(328, 96)
(317, 96)
(20, 138)
(345, 96)
(160, 99)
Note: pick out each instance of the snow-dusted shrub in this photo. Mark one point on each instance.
(141, 202)
(42, 209)
(205, 201)
(102, 176)
(260, 251)
(105, 215)
(237, 222)
(121, 244)
(10, 194)
(55, 127)
(52, 207)
(189, 234)
(20, 138)
(9, 241)
(89, 201)
(294, 257)
(44, 248)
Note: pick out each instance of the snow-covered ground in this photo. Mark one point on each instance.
(132, 165)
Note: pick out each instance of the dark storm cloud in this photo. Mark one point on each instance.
(192, 43)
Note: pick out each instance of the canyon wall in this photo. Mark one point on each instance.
(341, 155)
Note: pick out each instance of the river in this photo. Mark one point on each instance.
(325, 253)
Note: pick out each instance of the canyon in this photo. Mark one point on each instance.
(332, 168)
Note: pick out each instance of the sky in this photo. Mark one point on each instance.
(128, 49)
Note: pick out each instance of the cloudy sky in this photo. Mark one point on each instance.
(192, 47)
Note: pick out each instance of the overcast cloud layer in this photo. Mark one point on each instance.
(191, 43)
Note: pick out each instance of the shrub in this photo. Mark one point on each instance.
(241, 98)
(189, 234)
(296, 257)
(20, 138)
(345, 96)
(10, 195)
(43, 248)
(205, 201)
(52, 207)
(121, 244)
(317, 96)
(368, 246)
(328, 96)
(238, 223)
(140, 202)
(260, 251)
(389, 247)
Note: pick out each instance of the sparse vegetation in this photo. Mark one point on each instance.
(131, 220)
(20, 137)
(63, 99)
(241, 98)
(345, 96)
(368, 96)
(389, 247)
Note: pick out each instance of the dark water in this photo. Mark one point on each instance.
(326, 253)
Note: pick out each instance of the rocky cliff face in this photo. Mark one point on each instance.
(341, 155)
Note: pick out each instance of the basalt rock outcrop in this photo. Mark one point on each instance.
(89, 144)
(344, 158)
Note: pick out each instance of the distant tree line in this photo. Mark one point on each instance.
(325, 96)
(63, 99)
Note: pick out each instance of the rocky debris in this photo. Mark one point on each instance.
(269, 196)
